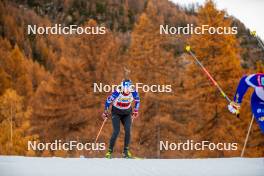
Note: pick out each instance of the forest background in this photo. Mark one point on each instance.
(46, 81)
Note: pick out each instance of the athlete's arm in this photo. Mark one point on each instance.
(111, 98)
(137, 100)
(244, 84)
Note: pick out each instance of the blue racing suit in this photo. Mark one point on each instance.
(257, 99)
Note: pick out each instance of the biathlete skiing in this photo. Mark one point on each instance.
(257, 99)
(122, 111)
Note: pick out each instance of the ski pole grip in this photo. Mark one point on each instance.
(253, 33)
(188, 48)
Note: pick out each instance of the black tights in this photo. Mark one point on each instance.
(126, 121)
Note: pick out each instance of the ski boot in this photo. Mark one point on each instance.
(108, 155)
(127, 154)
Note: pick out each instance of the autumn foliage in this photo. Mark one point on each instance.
(46, 81)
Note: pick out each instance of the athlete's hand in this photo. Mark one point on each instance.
(234, 108)
(135, 115)
(105, 114)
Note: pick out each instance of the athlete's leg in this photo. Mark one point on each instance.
(126, 121)
(116, 129)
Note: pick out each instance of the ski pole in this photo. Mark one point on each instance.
(100, 130)
(253, 33)
(188, 49)
(246, 140)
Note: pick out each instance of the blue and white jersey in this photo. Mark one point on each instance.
(254, 80)
(123, 101)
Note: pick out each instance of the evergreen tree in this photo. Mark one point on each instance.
(150, 64)
(145, 52)
(61, 104)
(220, 54)
(14, 124)
(13, 69)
